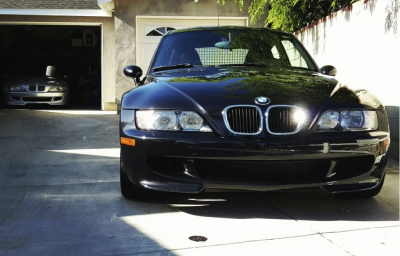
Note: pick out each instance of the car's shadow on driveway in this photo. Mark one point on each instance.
(308, 204)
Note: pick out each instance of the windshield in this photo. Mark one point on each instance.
(232, 47)
(33, 69)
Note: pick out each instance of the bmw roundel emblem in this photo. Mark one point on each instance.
(262, 100)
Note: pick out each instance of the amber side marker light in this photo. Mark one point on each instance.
(126, 141)
(386, 142)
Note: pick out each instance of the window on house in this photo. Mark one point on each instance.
(159, 31)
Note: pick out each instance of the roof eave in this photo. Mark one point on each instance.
(56, 12)
(106, 5)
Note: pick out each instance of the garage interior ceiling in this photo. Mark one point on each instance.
(74, 50)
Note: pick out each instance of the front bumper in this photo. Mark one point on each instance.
(23, 98)
(191, 162)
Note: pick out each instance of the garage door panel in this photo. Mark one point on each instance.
(146, 54)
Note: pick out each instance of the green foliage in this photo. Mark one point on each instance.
(290, 15)
(293, 15)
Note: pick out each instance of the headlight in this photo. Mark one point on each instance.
(156, 120)
(347, 120)
(58, 89)
(190, 121)
(170, 120)
(17, 88)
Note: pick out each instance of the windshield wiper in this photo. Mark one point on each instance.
(244, 64)
(299, 68)
(183, 65)
(255, 64)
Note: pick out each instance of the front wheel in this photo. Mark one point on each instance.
(129, 189)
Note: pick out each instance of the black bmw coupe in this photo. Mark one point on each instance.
(241, 108)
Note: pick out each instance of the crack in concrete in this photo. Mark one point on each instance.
(330, 232)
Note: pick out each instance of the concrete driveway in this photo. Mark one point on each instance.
(60, 195)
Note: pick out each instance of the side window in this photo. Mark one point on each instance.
(275, 52)
(295, 58)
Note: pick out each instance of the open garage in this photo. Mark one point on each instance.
(75, 51)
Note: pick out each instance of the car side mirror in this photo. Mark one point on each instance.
(329, 70)
(50, 71)
(133, 72)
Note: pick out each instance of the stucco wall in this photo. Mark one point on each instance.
(125, 26)
(108, 74)
(363, 43)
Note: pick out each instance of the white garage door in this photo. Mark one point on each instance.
(150, 30)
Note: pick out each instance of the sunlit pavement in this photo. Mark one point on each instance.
(59, 195)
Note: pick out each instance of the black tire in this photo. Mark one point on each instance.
(364, 193)
(66, 106)
(129, 189)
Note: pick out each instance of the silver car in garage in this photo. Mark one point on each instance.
(48, 88)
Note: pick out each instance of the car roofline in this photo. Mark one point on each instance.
(204, 28)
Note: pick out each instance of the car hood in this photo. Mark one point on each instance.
(210, 90)
(242, 86)
(33, 80)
